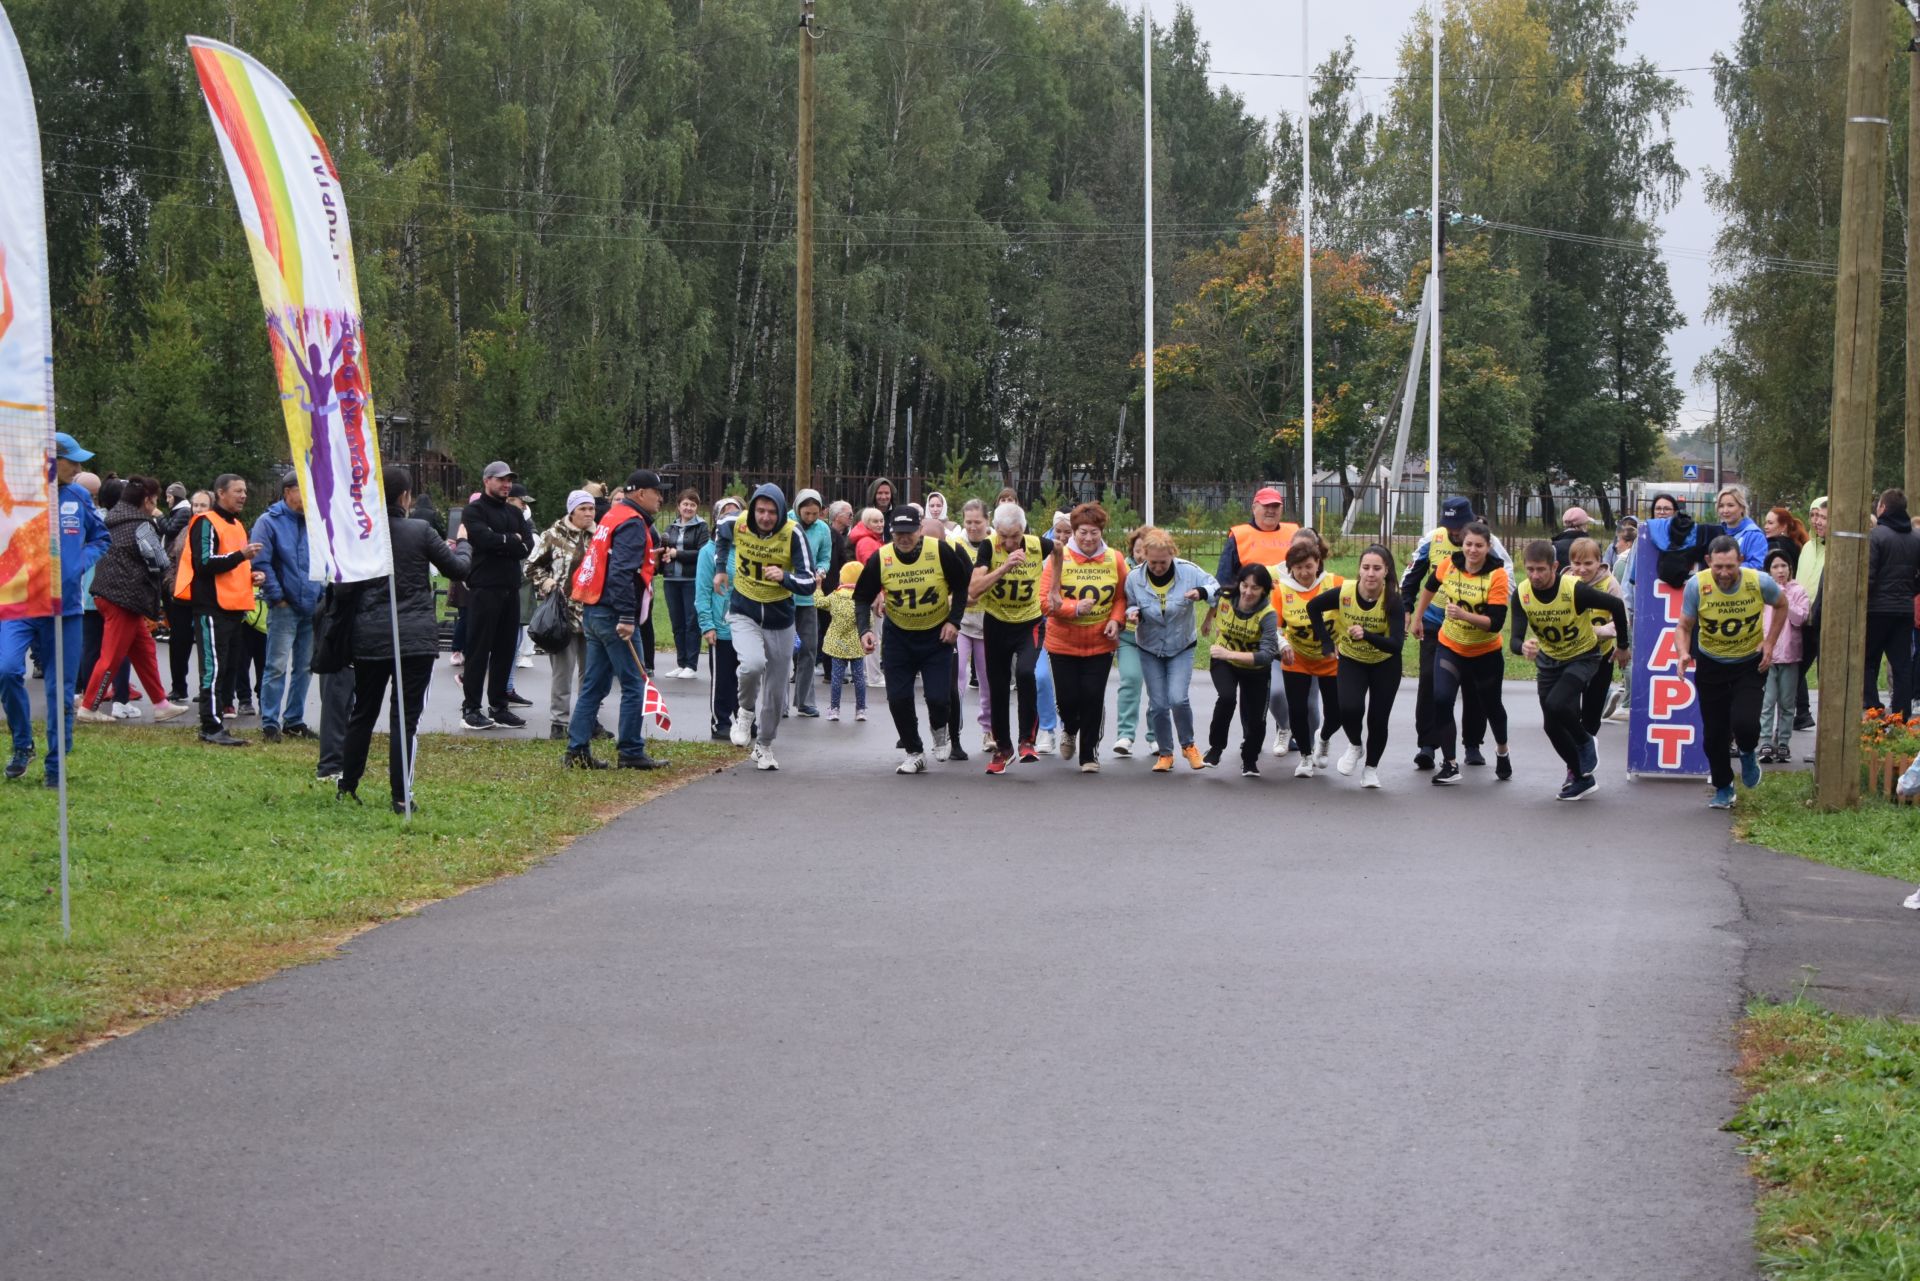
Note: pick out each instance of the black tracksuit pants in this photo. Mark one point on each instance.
(1563, 690)
(1372, 687)
(493, 634)
(904, 655)
(1730, 695)
(1248, 686)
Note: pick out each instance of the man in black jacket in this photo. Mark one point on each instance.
(500, 540)
(1893, 576)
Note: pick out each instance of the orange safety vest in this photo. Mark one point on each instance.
(234, 588)
(1263, 547)
(590, 578)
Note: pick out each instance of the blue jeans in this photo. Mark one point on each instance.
(1048, 711)
(608, 657)
(16, 635)
(1168, 711)
(289, 667)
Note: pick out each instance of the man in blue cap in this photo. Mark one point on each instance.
(83, 540)
(1455, 515)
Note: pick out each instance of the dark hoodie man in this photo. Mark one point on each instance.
(1893, 578)
(500, 540)
(774, 566)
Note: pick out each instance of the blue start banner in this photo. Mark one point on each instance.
(1664, 730)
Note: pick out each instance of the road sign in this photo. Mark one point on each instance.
(1690, 472)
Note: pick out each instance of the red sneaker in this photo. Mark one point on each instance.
(996, 764)
(1027, 755)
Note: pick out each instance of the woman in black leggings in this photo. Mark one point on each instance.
(1242, 666)
(1371, 629)
(1476, 590)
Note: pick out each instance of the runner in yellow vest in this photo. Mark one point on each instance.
(1006, 586)
(1473, 589)
(1364, 621)
(772, 565)
(1720, 617)
(1567, 648)
(1262, 540)
(1589, 564)
(1436, 549)
(925, 582)
(1249, 641)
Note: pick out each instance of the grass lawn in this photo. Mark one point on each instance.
(1831, 1128)
(1879, 837)
(196, 870)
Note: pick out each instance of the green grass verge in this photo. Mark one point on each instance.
(1879, 837)
(1831, 1131)
(195, 869)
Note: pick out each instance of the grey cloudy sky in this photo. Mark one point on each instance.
(1264, 35)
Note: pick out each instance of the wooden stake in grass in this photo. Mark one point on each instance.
(1856, 335)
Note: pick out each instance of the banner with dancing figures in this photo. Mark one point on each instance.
(1663, 731)
(28, 586)
(296, 221)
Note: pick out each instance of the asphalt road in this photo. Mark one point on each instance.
(832, 1023)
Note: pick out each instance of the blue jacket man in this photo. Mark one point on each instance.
(291, 599)
(83, 541)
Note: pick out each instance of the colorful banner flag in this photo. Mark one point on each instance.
(296, 222)
(29, 585)
(1663, 730)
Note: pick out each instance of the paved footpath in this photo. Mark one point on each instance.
(830, 1023)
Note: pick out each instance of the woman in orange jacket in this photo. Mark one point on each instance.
(1085, 590)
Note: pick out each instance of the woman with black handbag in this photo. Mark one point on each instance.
(550, 572)
(416, 547)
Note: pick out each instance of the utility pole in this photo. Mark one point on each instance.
(1438, 249)
(1719, 434)
(1306, 274)
(803, 266)
(1913, 259)
(1856, 336)
(1146, 129)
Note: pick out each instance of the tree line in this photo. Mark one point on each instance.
(574, 224)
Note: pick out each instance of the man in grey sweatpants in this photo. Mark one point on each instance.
(774, 565)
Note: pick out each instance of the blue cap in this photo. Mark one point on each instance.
(66, 447)
(1456, 511)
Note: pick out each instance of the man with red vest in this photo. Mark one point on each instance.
(1262, 541)
(216, 574)
(612, 583)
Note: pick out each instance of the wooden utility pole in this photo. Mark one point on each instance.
(1913, 260)
(803, 266)
(1856, 336)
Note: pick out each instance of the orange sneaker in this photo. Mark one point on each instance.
(1163, 764)
(1193, 756)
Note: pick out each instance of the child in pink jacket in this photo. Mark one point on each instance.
(1777, 708)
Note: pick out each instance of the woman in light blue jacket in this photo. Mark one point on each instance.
(1160, 600)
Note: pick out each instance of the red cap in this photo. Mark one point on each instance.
(1267, 495)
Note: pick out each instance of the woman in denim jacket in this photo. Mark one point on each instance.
(1160, 600)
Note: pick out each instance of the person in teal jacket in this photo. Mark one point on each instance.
(710, 607)
(806, 619)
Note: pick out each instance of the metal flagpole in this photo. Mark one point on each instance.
(1433, 329)
(1306, 267)
(397, 715)
(1146, 62)
(59, 719)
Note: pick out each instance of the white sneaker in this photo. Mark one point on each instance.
(1614, 698)
(1280, 748)
(1321, 750)
(92, 715)
(1044, 742)
(167, 711)
(941, 747)
(915, 763)
(1913, 902)
(763, 757)
(986, 744)
(523, 661)
(1369, 777)
(1123, 747)
(1305, 768)
(121, 712)
(1089, 767)
(1350, 758)
(1153, 748)
(1069, 746)
(742, 733)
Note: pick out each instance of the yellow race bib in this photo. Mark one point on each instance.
(1093, 580)
(1564, 633)
(1729, 622)
(917, 595)
(755, 553)
(1016, 597)
(1368, 618)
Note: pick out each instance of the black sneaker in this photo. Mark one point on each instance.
(811, 713)
(402, 808)
(17, 766)
(514, 700)
(1448, 775)
(1249, 770)
(601, 734)
(477, 720)
(557, 732)
(1803, 722)
(1423, 759)
(1473, 756)
(1578, 789)
(1503, 767)
(958, 753)
(501, 716)
(297, 731)
(581, 758)
(1213, 758)
(270, 734)
(642, 761)
(220, 738)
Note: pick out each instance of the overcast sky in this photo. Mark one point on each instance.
(1264, 35)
